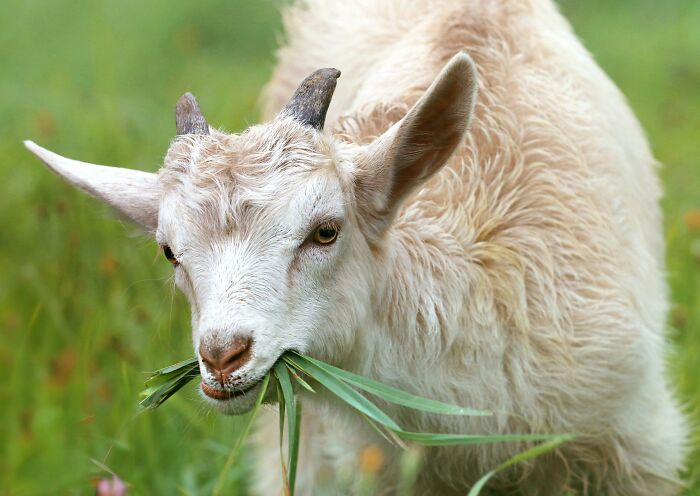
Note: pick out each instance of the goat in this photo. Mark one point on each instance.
(516, 266)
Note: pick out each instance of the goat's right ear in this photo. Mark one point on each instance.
(134, 194)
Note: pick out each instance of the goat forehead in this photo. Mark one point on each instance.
(273, 171)
(277, 203)
(259, 150)
(263, 157)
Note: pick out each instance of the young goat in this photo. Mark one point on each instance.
(516, 268)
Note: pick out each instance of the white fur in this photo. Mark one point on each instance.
(524, 275)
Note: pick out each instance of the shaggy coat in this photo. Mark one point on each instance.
(525, 277)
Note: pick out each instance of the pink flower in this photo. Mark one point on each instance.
(113, 487)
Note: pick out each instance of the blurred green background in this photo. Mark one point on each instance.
(86, 305)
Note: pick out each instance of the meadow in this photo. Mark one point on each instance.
(87, 305)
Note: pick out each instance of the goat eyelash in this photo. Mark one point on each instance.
(169, 255)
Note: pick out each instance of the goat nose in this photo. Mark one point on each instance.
(223, 361)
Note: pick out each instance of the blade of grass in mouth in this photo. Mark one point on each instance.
(163, 383)
(387, 393)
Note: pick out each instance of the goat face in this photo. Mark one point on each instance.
(274, 233)
(261, 230)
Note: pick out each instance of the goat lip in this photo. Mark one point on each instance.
(219, 394)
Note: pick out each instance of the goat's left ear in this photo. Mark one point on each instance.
(418, 145)
(134, 194)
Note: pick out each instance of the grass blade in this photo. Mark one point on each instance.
(166, 382)
(342, 391)
(387, 434)
(294, 448)
(239, 442)
(533, 452)
(285, 384)
(429, 439)
(176, 367)
(394, 395)
(299, 379)
(280, 405)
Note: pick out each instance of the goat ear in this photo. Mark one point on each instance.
(135, 194)
(418, 145)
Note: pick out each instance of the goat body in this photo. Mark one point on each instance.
(516, 267)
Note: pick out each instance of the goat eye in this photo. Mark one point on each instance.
(169, 255)
(326, 234)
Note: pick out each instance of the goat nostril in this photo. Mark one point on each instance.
(232, 358)
(236, 356)
(222, 362)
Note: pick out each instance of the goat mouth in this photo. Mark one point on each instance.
(220, 394)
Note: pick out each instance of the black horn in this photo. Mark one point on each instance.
(188, 116)
(311, 99)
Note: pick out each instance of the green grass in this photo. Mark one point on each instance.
(86, 307)
(346, 387)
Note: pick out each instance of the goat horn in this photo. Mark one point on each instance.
(312, 98)
(188, 116)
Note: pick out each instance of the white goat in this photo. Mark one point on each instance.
(518, 268)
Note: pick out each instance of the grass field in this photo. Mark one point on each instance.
(86, 306)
